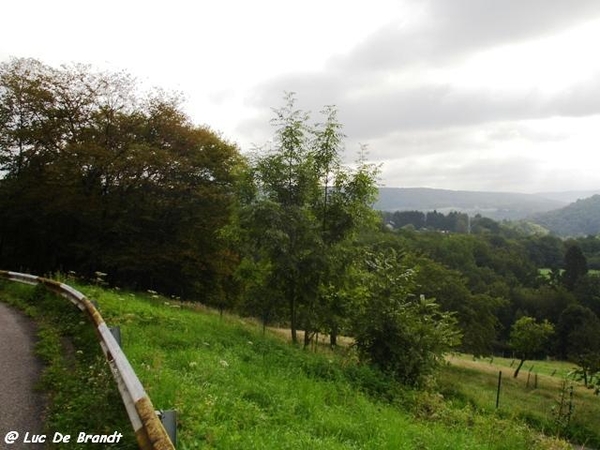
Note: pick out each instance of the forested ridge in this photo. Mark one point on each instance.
(581, 218)
(103, 180)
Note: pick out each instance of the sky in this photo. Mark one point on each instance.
(481, 95)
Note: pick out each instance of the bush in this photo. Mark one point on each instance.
(400, 333)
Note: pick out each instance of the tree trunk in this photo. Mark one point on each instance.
(333, 336)
(307, 338)
(518, 368)
(293, 319)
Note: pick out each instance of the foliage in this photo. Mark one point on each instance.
(476, 314)
(581, 218)
(401, 333)
(575, 267)
(578, 339)
(529, 338)
(299, 205)
(98, 178)
(563, 410)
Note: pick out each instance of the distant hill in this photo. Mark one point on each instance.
(581, 218)
(495, 205)
(568, 196)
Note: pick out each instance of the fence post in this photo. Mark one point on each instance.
(499, 386)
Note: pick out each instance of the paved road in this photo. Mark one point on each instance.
(20, 405)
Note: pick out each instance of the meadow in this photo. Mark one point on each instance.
(234, 386)
(544, 395)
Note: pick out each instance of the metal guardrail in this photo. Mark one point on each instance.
(149, 431)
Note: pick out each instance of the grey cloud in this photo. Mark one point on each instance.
(380, 112)
(433, 107)
(437, 120)
(454, 28)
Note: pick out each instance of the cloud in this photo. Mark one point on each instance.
(448, 30)
(405, 90)
(429, 107)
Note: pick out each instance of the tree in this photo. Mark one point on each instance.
(578, 339)
(529, 338)
(396, 330)
(475, 314)
(587, 292)
(575, 267)
(299, 204)
(94, 177)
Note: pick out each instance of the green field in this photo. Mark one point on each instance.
(235, 387)
(534, 397)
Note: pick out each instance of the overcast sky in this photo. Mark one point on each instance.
(455, 94)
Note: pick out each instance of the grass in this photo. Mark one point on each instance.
(235, 387)
(475, 382)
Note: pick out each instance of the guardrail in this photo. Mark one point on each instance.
(149, 431)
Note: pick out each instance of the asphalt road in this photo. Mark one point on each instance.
(21, 406)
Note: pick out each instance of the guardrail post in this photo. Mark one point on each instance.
(168, 418)
(116, 332)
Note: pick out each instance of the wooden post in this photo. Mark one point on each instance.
(499, 386)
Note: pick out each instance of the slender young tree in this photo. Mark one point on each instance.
(300, 202)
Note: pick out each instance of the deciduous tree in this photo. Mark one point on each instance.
(300, 202)
(529, 338)
(95, 177)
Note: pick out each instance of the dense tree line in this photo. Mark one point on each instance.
(505, 274)
(96, 177)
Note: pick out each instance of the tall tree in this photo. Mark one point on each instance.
(578, 338)
(96, 177)
(575, 267)
(299, 203)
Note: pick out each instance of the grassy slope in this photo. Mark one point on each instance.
(235, 388)
(476, 381)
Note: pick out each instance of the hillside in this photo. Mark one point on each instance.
(496, 205)
(237, 387)
(581, 218)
